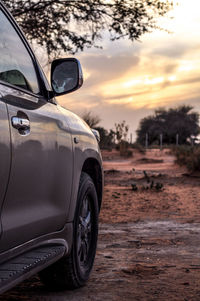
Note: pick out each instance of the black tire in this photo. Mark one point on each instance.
(73, 271)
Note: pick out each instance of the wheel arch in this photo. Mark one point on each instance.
(92, 167)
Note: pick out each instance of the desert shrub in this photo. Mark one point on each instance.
(123, 145)
(188, 156)
(106, 138)
(139, 147)
(127, 153)
(124, 149)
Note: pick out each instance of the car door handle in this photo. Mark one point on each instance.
(20, 123)
(76, 140)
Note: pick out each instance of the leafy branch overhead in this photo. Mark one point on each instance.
(70, 26)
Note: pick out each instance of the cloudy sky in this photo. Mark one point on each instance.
(127, 81)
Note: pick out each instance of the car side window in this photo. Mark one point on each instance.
(16, 66)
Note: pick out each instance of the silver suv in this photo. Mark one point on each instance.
(51, 170)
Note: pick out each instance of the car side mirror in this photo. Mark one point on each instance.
(66, 76)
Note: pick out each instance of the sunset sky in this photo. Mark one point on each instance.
(127, 81)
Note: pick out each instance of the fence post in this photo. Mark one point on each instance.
(146, 141)
(161, 141)
(177, 138)
(131, 138)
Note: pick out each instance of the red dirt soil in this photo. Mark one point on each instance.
(149, 239)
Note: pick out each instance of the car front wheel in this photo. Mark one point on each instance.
(73, 271)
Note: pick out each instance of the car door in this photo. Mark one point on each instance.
(39, 190)
(5, 150)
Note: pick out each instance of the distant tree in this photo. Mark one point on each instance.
(72, 25)
(107, 138)
(181, 120)
(91, 119)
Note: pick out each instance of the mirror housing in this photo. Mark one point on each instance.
(96, 134)
(66, 76)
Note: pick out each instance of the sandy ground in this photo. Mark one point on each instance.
(149, 239)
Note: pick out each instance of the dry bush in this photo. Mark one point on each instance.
(139, 147)
(188, 156)
(124, 149)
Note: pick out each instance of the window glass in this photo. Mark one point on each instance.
(16, 66)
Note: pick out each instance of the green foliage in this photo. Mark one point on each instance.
(181, 120)
(70, 25)
(188, 156)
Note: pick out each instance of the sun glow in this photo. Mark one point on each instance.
(186, 66)
(147, 80)
(172, 78)
(129, 80)
(131, 83)
(153, 81)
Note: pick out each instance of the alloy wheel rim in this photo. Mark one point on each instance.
(84, 232)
